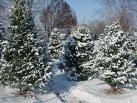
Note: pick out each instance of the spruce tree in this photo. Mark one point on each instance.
(54, 46)
(114, 60)
(2, 35)
(42, 45)
(85, 47)
(70, 58)
(24, 69)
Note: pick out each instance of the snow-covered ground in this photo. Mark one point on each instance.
(7, 95)
(64, 91)
(95, 91)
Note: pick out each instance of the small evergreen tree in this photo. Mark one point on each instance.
(24, 68)
(2, 37)
(85, 47)
(70, 58)
(43, 46)
(3, 42)
(54, 45)
(114, 61)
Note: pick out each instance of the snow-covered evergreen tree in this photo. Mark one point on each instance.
(114, 61)
(85, 47)
(2, 37)
(3, 42)
(25, 68)
(54, 46)
(42, 45)
(70, 58)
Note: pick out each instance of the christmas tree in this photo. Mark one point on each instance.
(54, 45)
(70, 58)
(114, 61)
(2, 37)
(85, 47)
(3, 42)
(42, 45)
(24, 69)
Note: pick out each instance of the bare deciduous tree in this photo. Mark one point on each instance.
(124, 10)
(2, 7)
(58, 14)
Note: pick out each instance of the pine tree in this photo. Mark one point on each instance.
(85, 47)
(25, 69)
(114, 61)
(2, 36)
(3, 41)
(70, 58)
(54, 45)
(42, 45)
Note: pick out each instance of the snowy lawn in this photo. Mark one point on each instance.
(95, 91)
(7, 95)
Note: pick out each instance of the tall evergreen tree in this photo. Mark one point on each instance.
(25, 68)
(114, 61)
